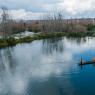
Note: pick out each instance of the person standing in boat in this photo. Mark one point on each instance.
(81, 61)
(93, 59)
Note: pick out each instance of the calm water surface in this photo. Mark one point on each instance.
(48, 67)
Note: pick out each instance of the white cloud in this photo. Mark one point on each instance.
(32, 9)
(26, 15)
(72, 6)
(22, 14)
(77, 6)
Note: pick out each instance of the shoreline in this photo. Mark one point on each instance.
(13, 41)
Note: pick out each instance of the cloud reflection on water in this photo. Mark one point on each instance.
(39, 61)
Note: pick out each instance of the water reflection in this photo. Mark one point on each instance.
(79, 40)
(47, 67)
(51, 45)
(7, 61)
(82, 66)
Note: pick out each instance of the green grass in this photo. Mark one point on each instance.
(90, 27)
(12, 41)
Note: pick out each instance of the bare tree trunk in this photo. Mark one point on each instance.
(6, 23)
(52, 22)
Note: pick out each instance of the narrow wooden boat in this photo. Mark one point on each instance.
(88, 62)
(82, 62)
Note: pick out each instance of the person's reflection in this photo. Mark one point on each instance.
(51, 45)
(81, 67)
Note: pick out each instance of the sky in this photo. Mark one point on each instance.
(34, 9)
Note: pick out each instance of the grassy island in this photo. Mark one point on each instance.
(13, 41)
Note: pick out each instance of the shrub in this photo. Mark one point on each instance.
(91, 27)
(11, 41)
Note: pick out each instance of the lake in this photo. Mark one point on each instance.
(48, 67)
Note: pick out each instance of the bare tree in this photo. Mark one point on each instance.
(5, 22)
(52, 22)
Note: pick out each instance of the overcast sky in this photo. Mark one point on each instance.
(32, 9)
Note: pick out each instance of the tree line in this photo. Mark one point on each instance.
(57, 23)
(9, 26)
(50, 22)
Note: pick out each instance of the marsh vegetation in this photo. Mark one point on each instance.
(50, 26)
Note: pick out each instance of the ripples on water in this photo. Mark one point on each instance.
(48, 67)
